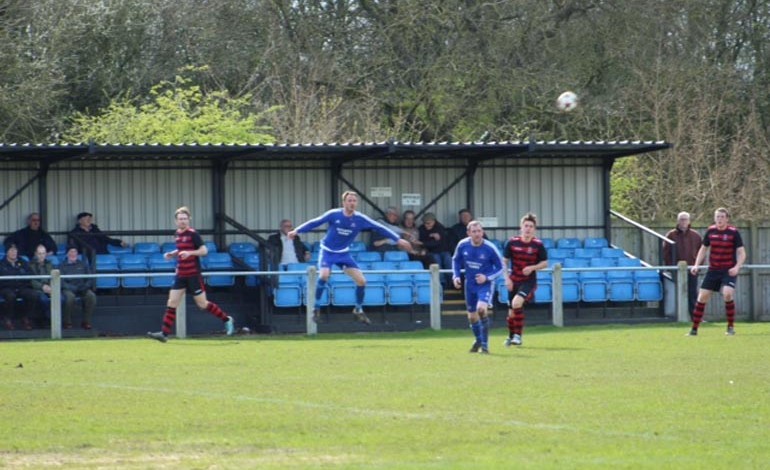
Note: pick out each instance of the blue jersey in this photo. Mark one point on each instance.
(344, 229)
(484, 259)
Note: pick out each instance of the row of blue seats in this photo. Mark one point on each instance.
(566, 243)
(396, 289)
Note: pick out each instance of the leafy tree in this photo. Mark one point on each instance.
(180, 112)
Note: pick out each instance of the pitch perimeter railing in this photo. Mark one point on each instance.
(557, 305)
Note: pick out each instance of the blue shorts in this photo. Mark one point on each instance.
(715, 280)
(524, 289)
(475, 293)
(327, 259)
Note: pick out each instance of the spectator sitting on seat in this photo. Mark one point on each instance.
(382, 243)
(436, 240)
(41, 266)
(11, 289)
(284, 250)
(458, 230)
(74, 288)
(88, 239)
(411, 233)
(28, 238)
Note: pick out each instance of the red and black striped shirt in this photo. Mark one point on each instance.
(188, 240)
(723, 245)
(523, 254)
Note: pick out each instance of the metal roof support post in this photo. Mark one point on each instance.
(470, 186)
(218, 172)
(606, 193)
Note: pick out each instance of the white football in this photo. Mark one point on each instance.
(567, 101)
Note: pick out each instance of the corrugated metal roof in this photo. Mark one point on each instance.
(339, 152)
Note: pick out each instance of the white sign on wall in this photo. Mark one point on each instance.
(411, 199)
(488, 222)
(380, 191)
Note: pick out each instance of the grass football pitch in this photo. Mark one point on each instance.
(615, 396)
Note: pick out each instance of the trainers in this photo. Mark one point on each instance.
(361, 316)
(316, 315)
(692, 332)
(230, 326)
(475, 348)
(516, 340)
(484, 350)
(158, 335)
(730, 331)
(508, 342)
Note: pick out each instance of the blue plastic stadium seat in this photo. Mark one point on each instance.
(168, 247)
(216, 261)
(612, 253)
(577, 263)
(118, 250)
(599, 242)
(212, 247)
(368, 256)
(241, 249)
(55, 261)
(131, 262)
(570, 287)
(587, 252)
(287, 295)
(146, 248)
(548, 243)
(649, 288)
(560, 253)
(157, 263)
(343, 290)
(395, 256)
(570, 243)
(106, 264)
(357, 246)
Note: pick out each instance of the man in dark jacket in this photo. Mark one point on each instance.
(75, 288)
(284, 250)
(12, 289)
(688, 242)
(436, 239)
(88, 239)
(28, 238)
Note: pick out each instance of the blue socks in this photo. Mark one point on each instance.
(319, 290)
(359, 297)
(485, 324)
(477, 332)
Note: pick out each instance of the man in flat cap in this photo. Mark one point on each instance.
(88, 239)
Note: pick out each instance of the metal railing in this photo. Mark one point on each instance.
(557, 304)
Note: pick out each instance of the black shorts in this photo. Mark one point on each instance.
(192, 284)
(715, 280)
(524, 289)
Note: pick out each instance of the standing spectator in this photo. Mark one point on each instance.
(688, 242)
(41, 266)
(88, 239)
(411, 233)
(459, 230)
(436, 241)
(724, 246)
(11, 289)
(482, 264)
(189, 249)
(285, 250)
(28, 238)
(526, 255)
(382, 243)
(344, 224)
(77, 288)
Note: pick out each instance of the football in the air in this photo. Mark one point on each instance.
(567, 101)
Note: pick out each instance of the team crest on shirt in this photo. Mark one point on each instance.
(724, 237)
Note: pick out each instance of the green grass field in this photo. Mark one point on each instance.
(580, 397)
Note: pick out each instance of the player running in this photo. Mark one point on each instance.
(527, 255)
(189, 249)
(482, 264)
